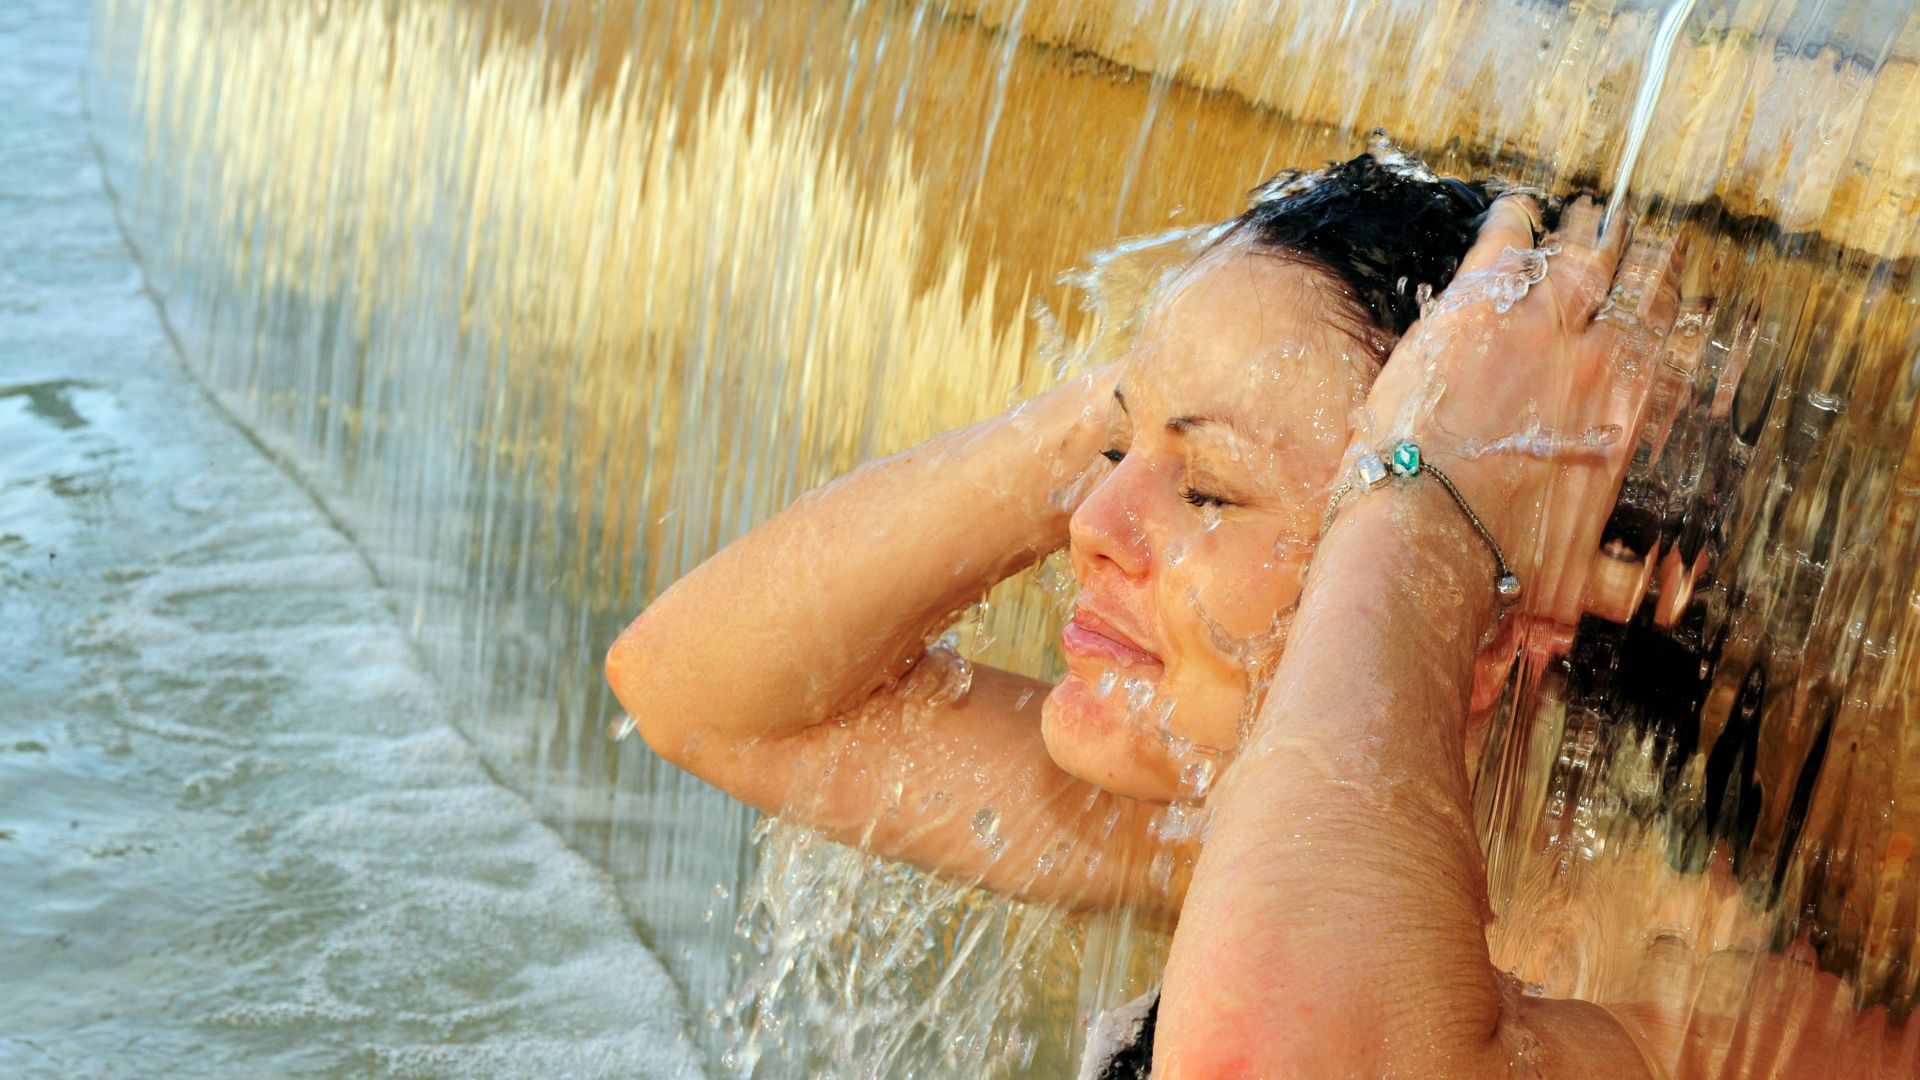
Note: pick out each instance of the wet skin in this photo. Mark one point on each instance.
(1335, 920)
(1225, 428)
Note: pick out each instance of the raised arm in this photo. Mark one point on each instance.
(1336, 921)
(790, 669)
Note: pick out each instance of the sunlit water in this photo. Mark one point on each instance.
(238, 836)
(549, 300)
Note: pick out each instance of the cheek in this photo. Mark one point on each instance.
(1219, 610)
(1229, 589)
(1096, 739)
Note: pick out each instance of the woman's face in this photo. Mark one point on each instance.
(1228, 425)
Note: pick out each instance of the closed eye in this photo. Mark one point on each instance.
(1202, 499)
(1114, 456)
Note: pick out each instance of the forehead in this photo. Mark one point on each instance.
(1253, 339)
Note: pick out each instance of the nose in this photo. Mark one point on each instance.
(1110, 524)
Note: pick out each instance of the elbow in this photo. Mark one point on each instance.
(1221, 1052)
(635, 671)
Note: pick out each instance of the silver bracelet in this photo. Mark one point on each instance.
(1370, 472)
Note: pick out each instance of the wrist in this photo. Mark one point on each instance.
(1407, 465)
(1065, 430)
(1491, 486)
(1411, 542)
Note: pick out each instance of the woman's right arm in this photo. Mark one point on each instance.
(834, 598)
(782, 669)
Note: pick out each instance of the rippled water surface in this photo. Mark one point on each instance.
(238, 836)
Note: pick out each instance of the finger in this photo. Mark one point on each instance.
(1687, 343)
(1586, 262)
(1645, 297)
(1637, 319)
(1579, 224)
(1513, 221)
(1739, 349)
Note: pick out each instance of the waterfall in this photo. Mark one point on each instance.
(549, 300)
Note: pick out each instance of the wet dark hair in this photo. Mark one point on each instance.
(1382, 225)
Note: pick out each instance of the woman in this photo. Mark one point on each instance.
(1334, 919)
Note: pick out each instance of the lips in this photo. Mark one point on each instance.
(1088, 635)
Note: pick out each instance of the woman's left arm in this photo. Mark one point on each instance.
(1336, 920)
(1335, 924)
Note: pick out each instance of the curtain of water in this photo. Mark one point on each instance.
(548, 300)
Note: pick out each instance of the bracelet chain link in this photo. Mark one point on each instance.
(1407, 462)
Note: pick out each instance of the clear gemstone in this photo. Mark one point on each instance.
(1371, 469)
(1508, 586)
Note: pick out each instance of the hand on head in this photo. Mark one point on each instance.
(1527, 379)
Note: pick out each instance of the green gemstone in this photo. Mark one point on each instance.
(1406, 459)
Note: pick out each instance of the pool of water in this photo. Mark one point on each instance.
(238, 834)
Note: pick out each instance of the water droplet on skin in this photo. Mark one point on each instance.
(1104, 688)
(1209, 518)
(986, 824)
(1176, 552)
(1139, 694)
(1196, 777)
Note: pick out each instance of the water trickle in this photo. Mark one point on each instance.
(985, 825)
(1163, 716)
(1653, 79)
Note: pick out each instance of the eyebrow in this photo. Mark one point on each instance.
(1182, 425)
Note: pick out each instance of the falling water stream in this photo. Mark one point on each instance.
(1653, 79)
(546, 301)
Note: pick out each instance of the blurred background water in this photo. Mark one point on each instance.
(238, 833)
(543, 301)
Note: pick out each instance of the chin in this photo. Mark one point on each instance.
(1096, 740)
